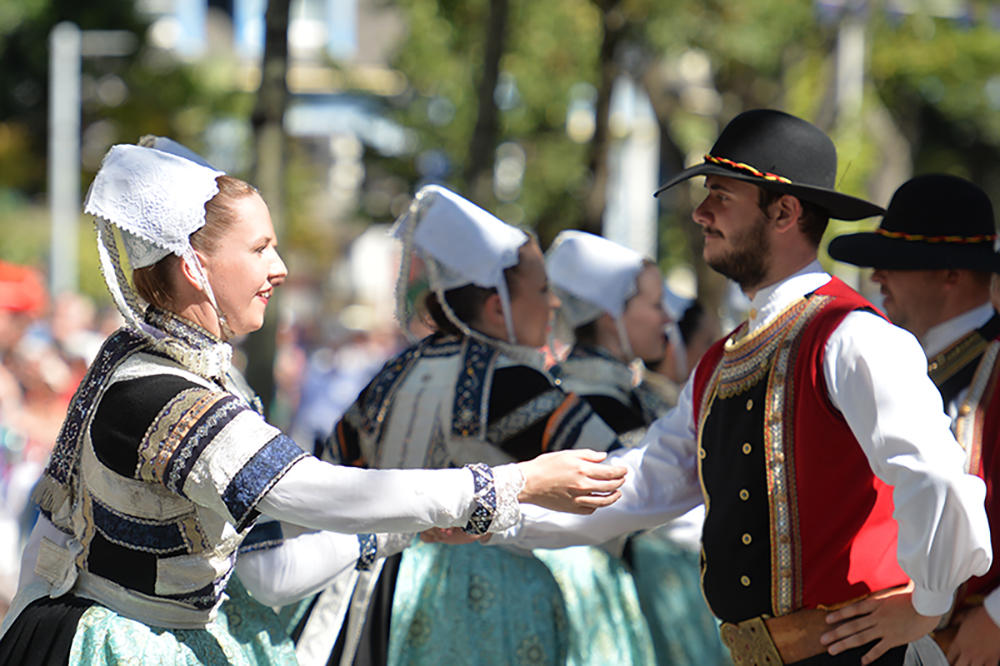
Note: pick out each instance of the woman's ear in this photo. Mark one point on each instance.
(188, 271)
(492, 313)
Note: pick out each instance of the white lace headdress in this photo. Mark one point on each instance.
(459, 244)
(157, 199)
(593, 276)
(675, 306)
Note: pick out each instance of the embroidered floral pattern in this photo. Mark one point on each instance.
(530, 652)
(747, 360)
(481, 594)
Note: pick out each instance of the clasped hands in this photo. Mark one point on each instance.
(569, 481)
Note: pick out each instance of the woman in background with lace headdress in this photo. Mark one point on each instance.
(476, 389)
(614, 313)
(162, 465)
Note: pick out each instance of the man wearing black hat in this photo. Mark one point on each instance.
(811, 433)
(933, 258)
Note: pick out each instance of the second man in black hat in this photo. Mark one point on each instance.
(934, 258)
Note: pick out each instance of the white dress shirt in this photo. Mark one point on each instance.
(876, 375)
(936, 340)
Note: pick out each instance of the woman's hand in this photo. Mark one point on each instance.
(571, 481)
(453, 536)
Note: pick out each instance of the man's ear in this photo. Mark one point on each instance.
(953, 276)
(785, 213)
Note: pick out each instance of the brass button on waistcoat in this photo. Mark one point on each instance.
(745, 580)
(744, 494)
(747, 448)
(747, 539)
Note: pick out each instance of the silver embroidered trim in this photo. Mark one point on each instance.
(393, 543)
(509, 482)
(524, 416)
(778, 449)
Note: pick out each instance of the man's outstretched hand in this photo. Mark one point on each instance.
(571, 481)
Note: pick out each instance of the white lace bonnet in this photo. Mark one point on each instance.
(593, 276)
(157, 200)
(675, 306)
(459, 243)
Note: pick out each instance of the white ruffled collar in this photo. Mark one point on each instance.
(772, 300)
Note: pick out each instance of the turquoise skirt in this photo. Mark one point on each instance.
(668, 578)
(475, 604)
(605, 619)
(245, 633)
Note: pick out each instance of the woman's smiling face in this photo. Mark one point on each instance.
(244, 266)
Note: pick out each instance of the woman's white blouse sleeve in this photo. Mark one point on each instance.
(351, 500)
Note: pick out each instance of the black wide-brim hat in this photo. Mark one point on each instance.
(934, 222)
(779, 152)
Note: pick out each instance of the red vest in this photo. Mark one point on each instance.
(796, 518)
(978, 429)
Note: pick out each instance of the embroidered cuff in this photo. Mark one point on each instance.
(496, 491)
(509, 482)
(486, 499)
(367, 551)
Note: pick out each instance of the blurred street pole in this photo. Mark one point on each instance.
(851, 62)
(64, 155)
(68, 45)
(269, 176)
(483, 144)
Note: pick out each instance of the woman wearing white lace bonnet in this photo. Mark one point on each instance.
(160, 471)
(611, 295)
(474, 390)
(610, 314)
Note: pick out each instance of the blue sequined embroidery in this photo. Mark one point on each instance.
(117, 348)
(150, 536)
(367, 550)
(486, 499)
(468, 416)
(257, 476)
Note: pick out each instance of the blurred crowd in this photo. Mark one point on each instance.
(46, 345)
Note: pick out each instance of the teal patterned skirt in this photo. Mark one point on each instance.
(245, 633)
(668, 578)
(605, 619)
(478, 605)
